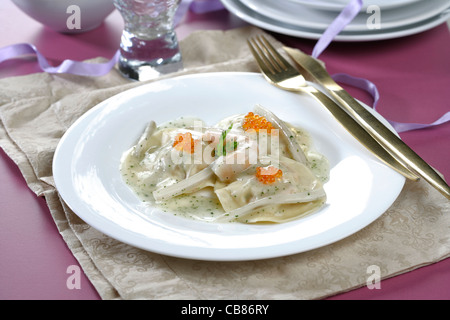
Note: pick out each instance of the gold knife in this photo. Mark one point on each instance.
(313, 70)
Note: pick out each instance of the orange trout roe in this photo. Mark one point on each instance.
(185, 142)
(268, 175)
(256, 122)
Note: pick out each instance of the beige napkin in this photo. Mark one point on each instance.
(37, 109)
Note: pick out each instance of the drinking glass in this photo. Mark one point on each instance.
(149, 45)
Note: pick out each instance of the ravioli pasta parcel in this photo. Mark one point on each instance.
(248, 168)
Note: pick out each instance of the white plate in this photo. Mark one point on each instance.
(338, 5)
(299, 15)
(86, 171)
(280, 26)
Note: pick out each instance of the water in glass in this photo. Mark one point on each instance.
(149, 45)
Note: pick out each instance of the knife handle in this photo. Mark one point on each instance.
(360, 134)
(395, 146)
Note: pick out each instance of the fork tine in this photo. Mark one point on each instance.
(260, 58)
(281, 61)
(270, 53)
(268, 56)
(270, 61)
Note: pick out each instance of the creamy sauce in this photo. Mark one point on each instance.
(148, 171)
(196, 207)
(317, 162)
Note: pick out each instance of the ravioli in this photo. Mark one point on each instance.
(247, 168)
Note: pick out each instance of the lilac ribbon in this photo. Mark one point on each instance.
(370, 88)
(346, 16)
(67, 66)
(402, 127)
(206, 6)
(196, 6)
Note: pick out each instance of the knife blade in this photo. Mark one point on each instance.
(313, 71)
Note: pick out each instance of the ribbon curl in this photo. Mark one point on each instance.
(346, 16)
(371, 88)
(67, 66)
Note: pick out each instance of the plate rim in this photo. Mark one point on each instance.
(339, 7)
(201, 253)
(281, 27)
(435, 7)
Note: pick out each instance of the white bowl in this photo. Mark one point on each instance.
(67, 16)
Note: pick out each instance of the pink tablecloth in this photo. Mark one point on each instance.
(412, 74)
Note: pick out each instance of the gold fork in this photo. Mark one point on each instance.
(282, 74)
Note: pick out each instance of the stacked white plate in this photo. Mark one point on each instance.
(310, 18)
